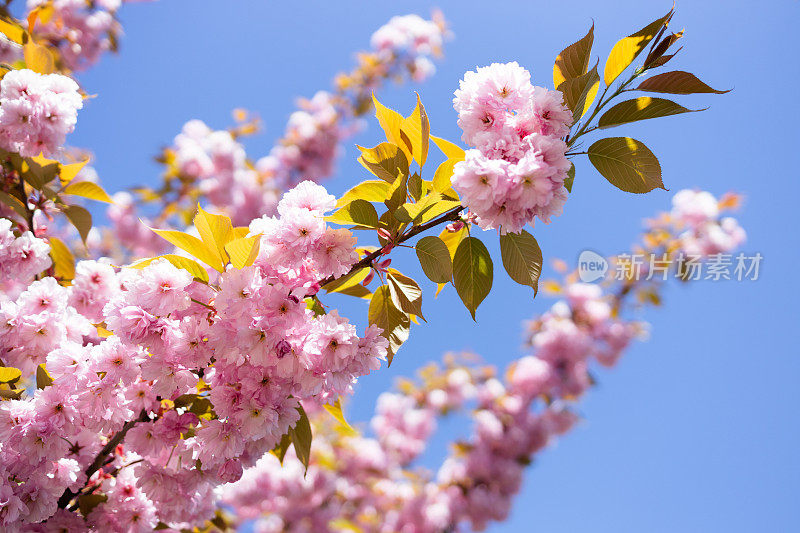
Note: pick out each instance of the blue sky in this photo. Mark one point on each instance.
(696, 429)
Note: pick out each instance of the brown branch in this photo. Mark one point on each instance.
(100, 459)
(367, 260)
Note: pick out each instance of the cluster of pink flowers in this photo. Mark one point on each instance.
(81, 30)
(235, 361)
(407, 42)
(705, 233)
(37, 111)
(130, 228)
(517, 168)
(21, 258)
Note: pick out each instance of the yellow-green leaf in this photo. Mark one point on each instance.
(390, 121)
(438, 208)
(43, 378)
(451, 150)
(394, 323)
(178, 261)
(336, 412)
(243, 251)
(358, 212)
(473, 273)
(452, 239)
(398, 192)
(282, 447)
(641, 108)
(345, 282)
(215, 230)
(63, 260)
(418, 129)
(9, 374)
(194, 246)
(14, 203)
(435, 259)
(573, 61)
(68, 172)
(405, 292)
(628, 49)
(676, 82)
(87, 189)
(443, 174)
(80, 218)
(38, 58)
(570, 179)
(410, 211)
(87, 502)
(522, 258)
(386, 161)
(301, 438)
(580, 92)
(14, 32)
(371, 191)
(627, 163)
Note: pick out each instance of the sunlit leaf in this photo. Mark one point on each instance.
(14, 32)
(178, 261)
(522, 258)
(394, 323)
(43, 378)
(68, 172)
(473, 273)
(243, 251)
(87, 189)
(390, 121)
(215, 230)
(627, 163)
(9, 374)
(451, 150)
(640, 109)
(63, 260)
(194, 246)
(398, 192)
(38, 58)
(371, 191)
(418, 129)
(405, 292)
(573, 61)
(410, 211)
(358, 212)
(443, 174)
(282, 447)
(386, 161)
(336, 412)
(435, 259)
(676, 82)
(580, 92)
(628, 49)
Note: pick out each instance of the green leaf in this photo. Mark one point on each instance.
(438, 208)
(215, 230)
(450, 150)
(573, 61)
(522, 258)
(282, 447)
(472, 273)
(371, 191)
(349, 280)
(39, 171)
(358, 212)
(676, 82)
(87, 502)
(301, 437)
(194, 246)
(336, 412)
(80, 218)
(394, 323)
(434, 258)
(9, 374)
(43, 378)
(415, 187)
(178, 261)
(87, 189)
(14, 203)
(390, 121)
(627, 163)
(410, 211)
(406, 294)
(397, 193)
(642, 108)
(386, 161)
(418, 129)
(629, 48)
(579, 93)
(570, 179)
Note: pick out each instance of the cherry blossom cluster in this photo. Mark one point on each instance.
(704, 233)
(517, 168)
(21, 258)
(200, 378)
(81, 30)
(37, 111)
(372, 483)
(407, 42)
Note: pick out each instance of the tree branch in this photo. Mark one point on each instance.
(449, 216)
